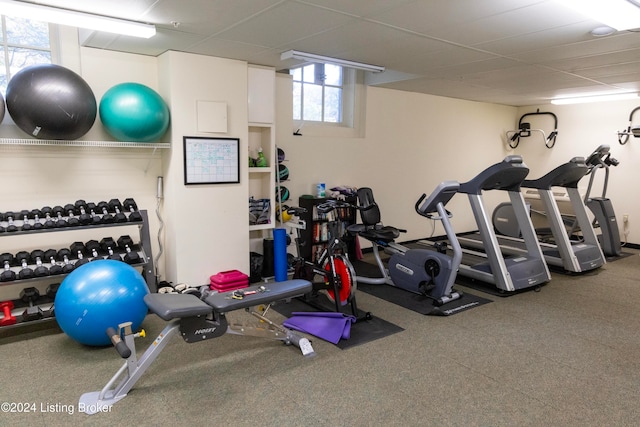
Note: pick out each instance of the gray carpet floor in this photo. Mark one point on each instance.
(565, 356)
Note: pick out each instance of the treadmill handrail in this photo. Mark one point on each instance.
(566, 175)
(506, 175)
(595, 159)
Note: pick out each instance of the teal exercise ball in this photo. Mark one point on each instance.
(99, 295)
(134, 112)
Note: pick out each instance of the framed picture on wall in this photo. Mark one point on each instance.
(211, 160)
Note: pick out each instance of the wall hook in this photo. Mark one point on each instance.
(623, 136)
(524, 130)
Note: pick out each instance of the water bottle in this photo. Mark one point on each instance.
(261, 161)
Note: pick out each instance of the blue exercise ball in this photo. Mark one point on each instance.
(48, 101)
(134, 112)
(99, 295)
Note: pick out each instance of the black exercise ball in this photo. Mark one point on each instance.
(1, 108)
(51, 102)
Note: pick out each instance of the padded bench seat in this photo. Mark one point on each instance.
(222, 303)
(176, 306)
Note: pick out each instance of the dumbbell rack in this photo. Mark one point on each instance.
(143, 248)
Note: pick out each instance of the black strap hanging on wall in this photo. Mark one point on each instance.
(524, 130)
(623, 136)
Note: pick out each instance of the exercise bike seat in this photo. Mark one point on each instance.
(371, 227)
(176, 306)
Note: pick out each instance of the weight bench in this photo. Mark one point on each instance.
(197, 320)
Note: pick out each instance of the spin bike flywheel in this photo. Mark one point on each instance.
(345, 276)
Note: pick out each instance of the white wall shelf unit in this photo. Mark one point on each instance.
(261, 114)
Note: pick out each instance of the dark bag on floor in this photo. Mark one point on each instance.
(255, 265)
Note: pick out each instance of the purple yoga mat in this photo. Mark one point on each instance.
(329, 326)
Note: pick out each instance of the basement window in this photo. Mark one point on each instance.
(24, 42)
(324, 94)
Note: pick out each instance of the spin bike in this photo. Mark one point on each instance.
(421, 271)
(336, 273)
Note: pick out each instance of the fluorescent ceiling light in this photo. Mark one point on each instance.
(619, 14)
(75, 19)
(312, 57)
(594, 98)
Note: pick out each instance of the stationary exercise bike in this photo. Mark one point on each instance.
(421, 271)
(332, 266)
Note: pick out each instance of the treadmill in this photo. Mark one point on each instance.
(507, 273)
(574, 256)
(604, 215)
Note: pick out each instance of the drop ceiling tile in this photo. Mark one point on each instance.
(207, 17)
(358, 7)
(471, 68)
(510, 23)
(423, 16)
(523, 43)
(285, 23)
(349, 41)
(611, 59)
(451, 56)
(586, 48)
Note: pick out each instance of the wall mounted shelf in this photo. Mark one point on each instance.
(90, 144)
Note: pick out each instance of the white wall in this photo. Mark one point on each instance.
(412, 142)
(581, 129)
(206, 225)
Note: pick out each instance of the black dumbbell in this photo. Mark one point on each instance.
(84, 216)
(92, 247)
(22, 260)
(70, 211)
(58, 212)
(25, 216)
(7, 275)
(107, 218)
(49, 222)
(108, 245)
(78, 251)
(10, 217)
(52, 289)
(30, 296)
(51, 255)
(126, 243)
(36, 214)
(116, 207)
(37, 256)
(64, 255)
(131, 206)
(92, 211)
